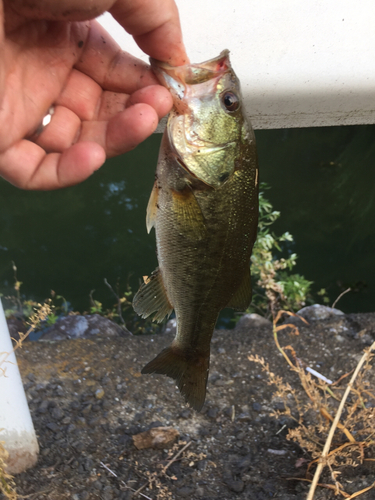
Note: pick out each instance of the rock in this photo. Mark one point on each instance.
(104, 326)
(75, 405)
(43, 406)
(106, 404)
(125, 495)
(243, 465)
(99, 393)
(69, 327)
(199, 492)
(202, 465)
(157, 423)
(97, 485)
(74, 327)
(318, 312)
(213, 412)
(53, 427)
(171, 326)
(158, 437)
(59, 390)
(242, 417)
(235, 485)
(57, 414)
(107, 493)
(185, 492)
(86, 410)
(185, 413)
(257, 407)
(252, 321)
(367, 339)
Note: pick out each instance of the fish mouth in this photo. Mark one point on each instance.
(189, 86)
(177, 78)
(192, 74)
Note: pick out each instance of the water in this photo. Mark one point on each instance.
(323, 182)
(322, 179)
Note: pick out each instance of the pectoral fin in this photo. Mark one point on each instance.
(190, 220)
(242, 298)
(152, 208)
(152, 298)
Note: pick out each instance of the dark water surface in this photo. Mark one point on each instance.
(323, 183)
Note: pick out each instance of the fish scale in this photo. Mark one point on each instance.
(204, 207)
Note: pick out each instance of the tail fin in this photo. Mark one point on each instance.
(190, 373)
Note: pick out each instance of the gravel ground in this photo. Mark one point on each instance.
(87, 399)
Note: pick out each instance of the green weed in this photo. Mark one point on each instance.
(274, 286)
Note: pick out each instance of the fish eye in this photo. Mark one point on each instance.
(230, 101)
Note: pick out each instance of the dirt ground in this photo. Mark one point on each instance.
(88, 398)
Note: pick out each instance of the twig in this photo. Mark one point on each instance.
(341, 294)
(164, 469)
(123, 482)
(119, 312)
(17, 285)
(325, 452)
(31, 495)
(92, 301)
(176, 457)
(323, 485)
(138, 491)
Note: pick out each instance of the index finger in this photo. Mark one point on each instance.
(113, 69)
(155, 26)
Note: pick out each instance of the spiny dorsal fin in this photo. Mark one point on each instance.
(152, 208)
(152, 298)
(189, 220)
(242, 297)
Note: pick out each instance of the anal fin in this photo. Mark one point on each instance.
(242, 297)
(152, 298)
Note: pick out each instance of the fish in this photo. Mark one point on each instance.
(204, 208)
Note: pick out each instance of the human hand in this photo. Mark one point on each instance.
(106, 101)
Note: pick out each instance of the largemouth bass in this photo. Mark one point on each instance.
(204, 207)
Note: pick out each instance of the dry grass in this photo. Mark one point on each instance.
(334, 422)
(7, 484)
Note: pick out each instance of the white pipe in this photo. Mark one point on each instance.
(16, 427)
